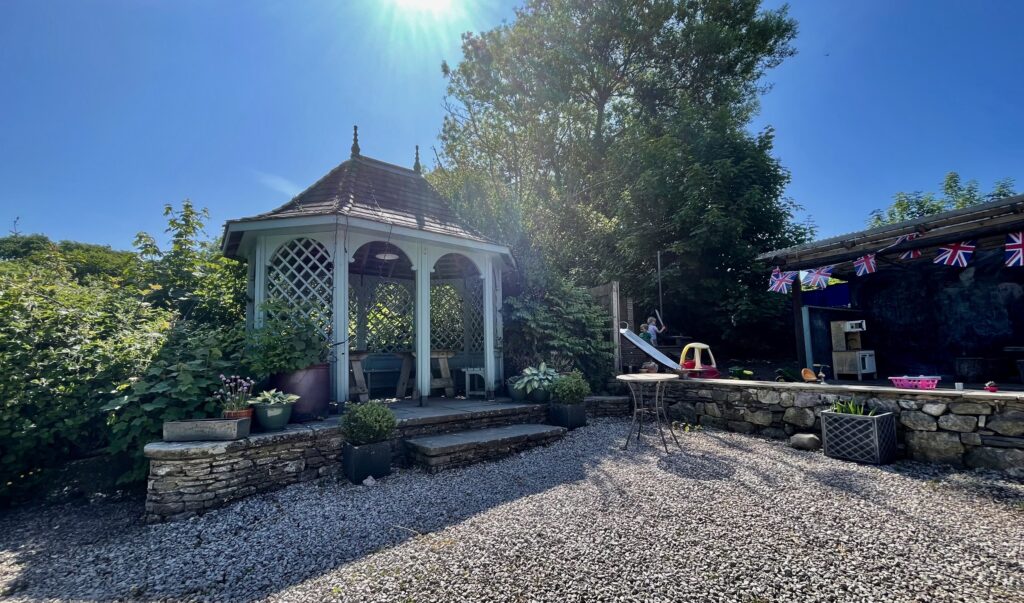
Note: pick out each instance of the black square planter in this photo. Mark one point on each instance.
(360, 462)
(861, 438)
(569, 416)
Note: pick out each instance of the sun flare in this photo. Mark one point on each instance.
(437, 7)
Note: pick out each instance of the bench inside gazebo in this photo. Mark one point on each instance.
(417, 311)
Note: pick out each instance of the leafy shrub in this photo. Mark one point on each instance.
(191, 277)
(561, 323)
(286, 341)
(64, 348)
(571, 388)
(368, 423)
(179, 384)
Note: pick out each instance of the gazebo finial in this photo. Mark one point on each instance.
(416, 166)
(355, 141)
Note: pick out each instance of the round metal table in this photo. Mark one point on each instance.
(652, 403)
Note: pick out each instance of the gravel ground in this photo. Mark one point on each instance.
(734, 518)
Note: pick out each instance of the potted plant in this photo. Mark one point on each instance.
(273, 409)
(233, 397)
(567, 408)
(851, 432)
(536, 381)
(367, 428)
(289, 351)
(517, 394)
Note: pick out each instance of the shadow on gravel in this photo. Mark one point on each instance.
(703, 467)
(262, 545)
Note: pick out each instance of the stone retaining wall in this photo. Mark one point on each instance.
(186, 478)
(608, 406)
(972, 428)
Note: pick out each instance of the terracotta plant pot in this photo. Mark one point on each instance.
(238, 414)
(313, 387)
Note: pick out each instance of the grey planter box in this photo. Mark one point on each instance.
(861, 438)
(569, 416)
(207, 430)
(361, 462)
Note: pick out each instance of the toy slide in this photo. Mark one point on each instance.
(649, 349)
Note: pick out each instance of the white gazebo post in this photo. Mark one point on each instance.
(340, 312)
(423, 266)
(488, 303)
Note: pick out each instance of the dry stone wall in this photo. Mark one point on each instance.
(186, 478)
(965, 429)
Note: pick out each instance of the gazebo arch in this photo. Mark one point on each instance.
(357, 217)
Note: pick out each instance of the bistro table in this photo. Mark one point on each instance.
(652, 403)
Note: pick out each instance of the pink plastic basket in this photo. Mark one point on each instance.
(921, 382)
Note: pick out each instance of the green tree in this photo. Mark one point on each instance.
(955, 195)
(617, 129)
(83, 259)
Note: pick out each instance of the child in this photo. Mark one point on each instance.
(653, 330)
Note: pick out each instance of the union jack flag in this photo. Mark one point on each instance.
(865, 265)
(913, 254)
(955, 254)
(818, 278)
(1015, 249)
(781, 282)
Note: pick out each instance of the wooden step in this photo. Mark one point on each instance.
(438, 452)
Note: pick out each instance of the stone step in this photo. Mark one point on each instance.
(438, 452)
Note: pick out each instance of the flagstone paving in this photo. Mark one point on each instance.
(730, 518)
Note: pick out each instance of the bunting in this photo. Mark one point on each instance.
(818, 278)
(781, 282)
(955, 254)
(952, 254)
(865, 265)
(1014, 249)
(912, 254)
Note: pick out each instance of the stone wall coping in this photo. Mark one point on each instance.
(198, 450)
(830, 388)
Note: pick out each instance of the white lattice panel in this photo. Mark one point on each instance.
(389, 317)
(474, 313)
(301, 274)
(446, 328)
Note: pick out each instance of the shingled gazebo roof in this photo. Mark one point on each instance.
(370, 189)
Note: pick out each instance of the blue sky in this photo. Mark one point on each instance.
(112, 108)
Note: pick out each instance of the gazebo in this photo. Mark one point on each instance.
(420, 284)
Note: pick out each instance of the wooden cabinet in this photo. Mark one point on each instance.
(854, 362)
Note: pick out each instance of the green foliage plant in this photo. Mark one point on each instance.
(540, 377)
(849, 407)
(179, 384)
(274, 397)
(552, 318)
(191, 277)
(571, 388)
(368, 423)
(65, 346)
(286, 341)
